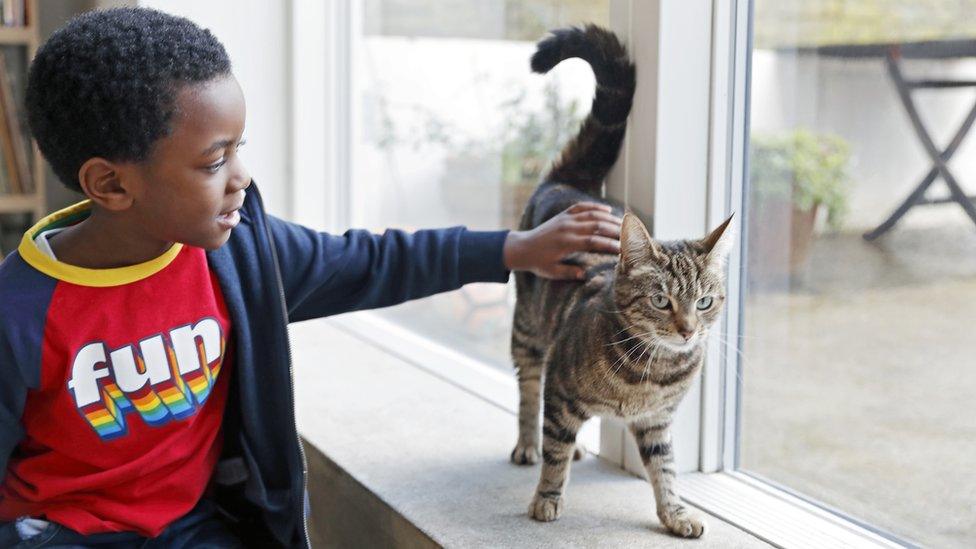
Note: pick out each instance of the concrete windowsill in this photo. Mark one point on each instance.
(398, 457)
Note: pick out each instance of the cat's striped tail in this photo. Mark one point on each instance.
(588, 157)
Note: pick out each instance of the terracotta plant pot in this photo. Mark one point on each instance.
(780, 237)
(514, 199)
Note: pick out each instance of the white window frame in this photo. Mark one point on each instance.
(686, 110)
(691, 105)
(322, 44)
(660, 175)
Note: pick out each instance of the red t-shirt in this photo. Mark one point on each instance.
(124, 431)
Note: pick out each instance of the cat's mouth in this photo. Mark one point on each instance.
(678, 343)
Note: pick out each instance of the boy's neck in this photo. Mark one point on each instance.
(104, 241)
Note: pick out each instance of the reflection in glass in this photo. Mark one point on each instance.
(858, 367)
(452, 128)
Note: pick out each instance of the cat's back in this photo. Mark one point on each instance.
(558, 307)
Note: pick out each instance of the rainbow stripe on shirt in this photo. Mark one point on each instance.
(177, 391)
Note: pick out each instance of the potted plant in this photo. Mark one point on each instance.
(509, 161)
(793, 177)
(530, 140)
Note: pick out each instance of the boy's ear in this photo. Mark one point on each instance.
(101, 181)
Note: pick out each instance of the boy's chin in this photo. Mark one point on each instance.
(209, 244)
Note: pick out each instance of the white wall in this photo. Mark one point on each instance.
(53, 15)
(257, 36)
(856, 100)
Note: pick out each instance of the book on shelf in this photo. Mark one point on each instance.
(13, 133)
(16, 150)
(5, 187)
(14, 143)
(13, 13)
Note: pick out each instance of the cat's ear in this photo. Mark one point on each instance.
(719, 242)
(636, 245)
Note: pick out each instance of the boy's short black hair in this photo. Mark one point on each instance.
(104, 84)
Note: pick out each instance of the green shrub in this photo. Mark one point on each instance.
(804, 167)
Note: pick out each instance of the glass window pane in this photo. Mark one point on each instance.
(858, 363)
(452, 128)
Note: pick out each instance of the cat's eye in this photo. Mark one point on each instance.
(704, 303)
(660, 301)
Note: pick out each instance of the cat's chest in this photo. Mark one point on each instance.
(634, 408)
(636, 402)
(649, 398)
(645, 403)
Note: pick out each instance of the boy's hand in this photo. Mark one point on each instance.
(583, 227)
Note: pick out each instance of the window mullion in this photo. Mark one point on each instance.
(662, 174)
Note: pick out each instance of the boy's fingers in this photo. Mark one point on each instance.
(597, 215)
(584, 206)
(566, 272)
(599, 228)
(601, 244)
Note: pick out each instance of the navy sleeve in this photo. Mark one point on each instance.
(326, 274)
(25, 296)
(13, 395)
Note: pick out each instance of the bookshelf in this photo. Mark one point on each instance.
(32, 202)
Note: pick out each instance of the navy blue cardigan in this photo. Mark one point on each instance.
(271, 272)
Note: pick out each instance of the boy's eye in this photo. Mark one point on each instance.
(214, 168)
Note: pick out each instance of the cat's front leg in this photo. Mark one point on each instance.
(562, 421)
(528, 364)
(653, 437)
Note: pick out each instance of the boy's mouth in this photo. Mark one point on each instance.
(230, 219)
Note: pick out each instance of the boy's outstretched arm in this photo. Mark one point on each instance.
(327, 274)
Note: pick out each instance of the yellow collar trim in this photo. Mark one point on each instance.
(100, 278)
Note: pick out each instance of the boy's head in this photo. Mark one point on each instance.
(139, 110)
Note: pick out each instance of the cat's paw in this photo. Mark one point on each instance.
(546, 509)
(681, 522)
(525, 454)
(578, 453)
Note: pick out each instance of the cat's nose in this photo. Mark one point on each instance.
(686, 333)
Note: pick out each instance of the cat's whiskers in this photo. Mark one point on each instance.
(650, 360)
(624, 329)
(615, 367)
(656, 355)
(629, 338)
(619, 363)
(742, 358)
(728, 344)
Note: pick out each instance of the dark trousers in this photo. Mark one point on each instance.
(203, 527)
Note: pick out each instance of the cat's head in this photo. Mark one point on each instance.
(671, 291)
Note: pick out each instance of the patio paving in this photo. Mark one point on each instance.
(859, 384)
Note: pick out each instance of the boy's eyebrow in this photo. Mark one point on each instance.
(218, 145)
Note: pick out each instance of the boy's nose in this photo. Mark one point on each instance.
(240, 180)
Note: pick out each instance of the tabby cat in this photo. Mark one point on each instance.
(629, 340)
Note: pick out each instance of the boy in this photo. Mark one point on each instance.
(146, 395)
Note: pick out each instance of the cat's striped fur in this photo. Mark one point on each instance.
(600, 347)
